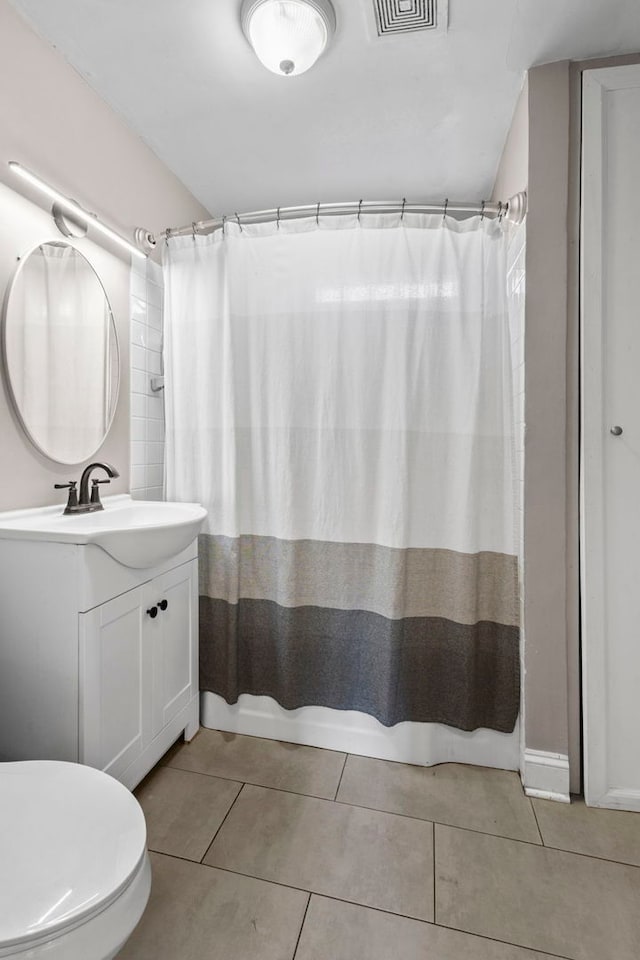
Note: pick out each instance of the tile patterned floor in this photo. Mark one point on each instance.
(273, 851)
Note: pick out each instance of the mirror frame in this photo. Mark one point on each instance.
(5, 362)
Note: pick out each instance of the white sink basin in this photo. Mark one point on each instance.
(136, 533)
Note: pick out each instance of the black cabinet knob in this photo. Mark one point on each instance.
(163, 604)
(153, 612)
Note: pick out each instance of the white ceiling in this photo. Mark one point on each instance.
(423, 116)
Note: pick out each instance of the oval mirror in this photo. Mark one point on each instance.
(61, 352)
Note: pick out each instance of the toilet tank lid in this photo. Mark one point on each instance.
(71, 839)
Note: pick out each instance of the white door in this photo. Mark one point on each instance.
(173, 641)
(610, 494)
(114, 716)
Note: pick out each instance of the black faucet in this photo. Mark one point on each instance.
(87, 504)
(94, 502)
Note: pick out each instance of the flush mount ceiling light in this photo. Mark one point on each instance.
(288, 36)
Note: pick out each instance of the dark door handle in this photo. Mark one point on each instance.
(153, 612)
(163, 604)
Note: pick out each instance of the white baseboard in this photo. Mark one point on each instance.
(618, 799)
(546, 775)
(349, 731)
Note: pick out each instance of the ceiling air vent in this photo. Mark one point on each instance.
(396, 17)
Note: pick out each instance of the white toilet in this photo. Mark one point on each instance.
(74, 871)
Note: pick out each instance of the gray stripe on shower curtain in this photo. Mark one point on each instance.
(394, 582)
(424, 669)
(416, 634)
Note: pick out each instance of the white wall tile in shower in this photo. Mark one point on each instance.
(147, 406)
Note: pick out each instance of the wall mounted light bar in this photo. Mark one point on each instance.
(73, 208)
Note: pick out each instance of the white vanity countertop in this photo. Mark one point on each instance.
(136, 533)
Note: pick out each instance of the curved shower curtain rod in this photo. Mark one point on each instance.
(513, 210)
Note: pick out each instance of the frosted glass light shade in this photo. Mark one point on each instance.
(288, 36)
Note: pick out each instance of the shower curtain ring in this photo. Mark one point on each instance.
(482, 211)
(318, 215)
(359, 210)
(404, 201)
(444, 214)
(167, 234)
(499, 211)
(239, 224)
(193, 230)
(278, 218)
(224, 226)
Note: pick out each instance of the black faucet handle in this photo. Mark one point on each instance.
(95, 492)
(72, 502)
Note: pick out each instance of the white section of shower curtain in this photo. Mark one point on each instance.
(343, 382)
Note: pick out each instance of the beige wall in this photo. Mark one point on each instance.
(536, 158)
(545, 513)
(52, 122)
(513, 170)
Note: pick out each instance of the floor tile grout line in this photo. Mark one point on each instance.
(435, 918)
(249, 783)
(347, 803)
(485, 833)
(197, 773)
(355, 806)
(317, 893)
(356, 903)
(455, 826)
(344, 765)
(538, 823)
(441, 823)
(538, 846)
(306, 910)
(224, 820)
(509, 943)
(406, 816)
(177, 856)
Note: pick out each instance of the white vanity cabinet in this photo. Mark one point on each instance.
(137, 668)
(98, 661)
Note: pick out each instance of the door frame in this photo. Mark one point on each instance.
(596, 83)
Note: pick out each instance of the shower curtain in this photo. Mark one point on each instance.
(339, 397)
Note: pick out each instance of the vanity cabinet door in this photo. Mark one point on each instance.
(138, 668)
(115, 666)
(173, 642)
